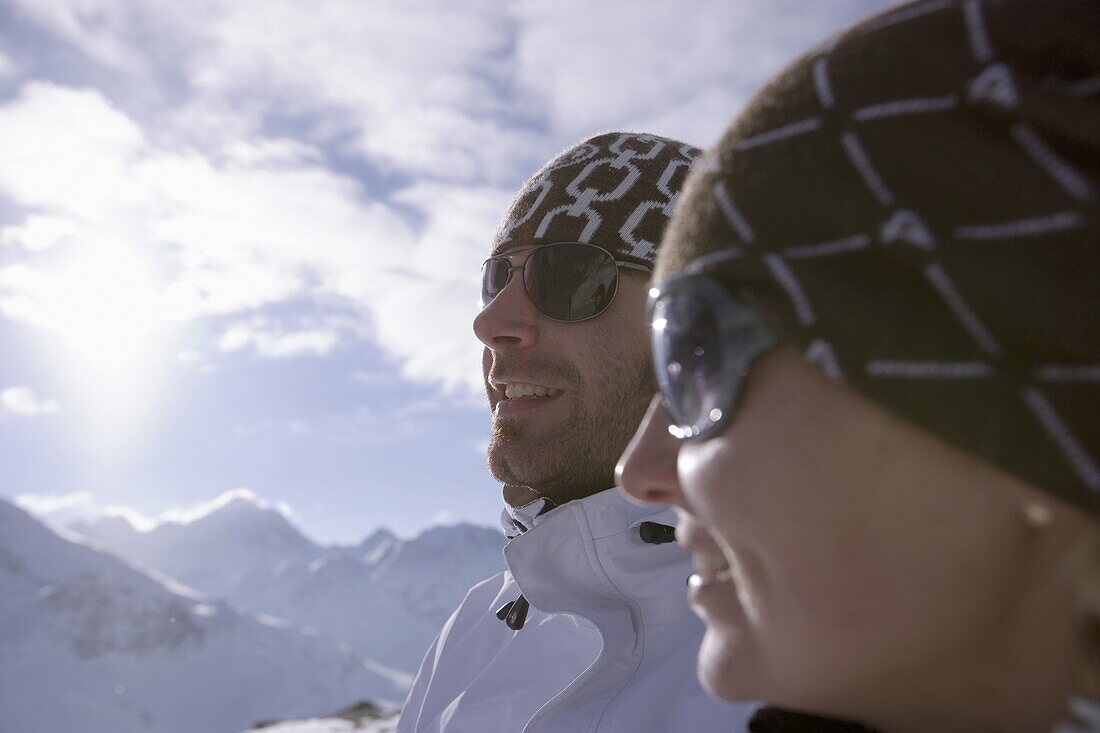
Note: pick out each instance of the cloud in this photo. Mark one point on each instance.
(81, 505)
(680, 69)
(272, 344)
(353, 155)
(139, 521)
(249, 226)
(196, 360)
(39, 233)
(282, 427)
(360, 425)
(22, 401)
(188, 515)
(480, 91)
(416, 87)
(43, 505)
(63, 509)
(442, 518)
(8, 68)
(371, 378)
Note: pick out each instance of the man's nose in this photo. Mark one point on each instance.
(647, 469)
(510, 319)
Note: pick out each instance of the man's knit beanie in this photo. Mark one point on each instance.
(917, 206)
(615, 190)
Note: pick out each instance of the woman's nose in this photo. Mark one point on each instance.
(647, 469)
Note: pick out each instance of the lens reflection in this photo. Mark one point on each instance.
(494, 276)
(570, 282)
(687, 352)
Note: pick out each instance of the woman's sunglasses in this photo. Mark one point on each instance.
(703, 341)
(566, 281)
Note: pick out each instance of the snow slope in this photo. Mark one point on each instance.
(90, 643)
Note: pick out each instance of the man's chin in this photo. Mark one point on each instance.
(501, 458)
(511, 461)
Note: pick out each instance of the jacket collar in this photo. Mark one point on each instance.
(515, 520)
(607, 512)
(589, 553)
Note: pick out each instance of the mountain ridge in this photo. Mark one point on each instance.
(386, 596)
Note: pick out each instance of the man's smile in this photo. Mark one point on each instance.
(521, 389)
(513, 398)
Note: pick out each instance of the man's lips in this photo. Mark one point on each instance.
(514, 396)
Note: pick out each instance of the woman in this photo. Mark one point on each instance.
(875, 332)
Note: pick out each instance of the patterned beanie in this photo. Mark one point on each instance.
(615, 190)
(916, 204)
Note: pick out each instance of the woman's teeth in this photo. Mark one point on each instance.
(511, 391)
(711, 568)
(709, 563)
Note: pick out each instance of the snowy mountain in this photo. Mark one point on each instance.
(390, 602)
(231, 542)
(90, 643)
(386, 597)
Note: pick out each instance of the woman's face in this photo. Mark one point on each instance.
(860, 550)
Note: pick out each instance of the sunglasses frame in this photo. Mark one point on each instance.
(523, 267)
(743, 336)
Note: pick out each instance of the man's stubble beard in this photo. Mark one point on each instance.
(575, 458)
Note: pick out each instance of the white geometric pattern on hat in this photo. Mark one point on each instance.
(627, 152)
(643, 248)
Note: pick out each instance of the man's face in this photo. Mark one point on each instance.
(591, 382)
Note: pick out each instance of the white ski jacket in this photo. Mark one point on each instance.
(609, 642)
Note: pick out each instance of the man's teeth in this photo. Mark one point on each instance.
(709, 562)
(519, 389)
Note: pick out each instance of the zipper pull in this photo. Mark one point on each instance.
(517, 614)
(656, 534)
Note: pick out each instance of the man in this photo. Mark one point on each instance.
(588, 629)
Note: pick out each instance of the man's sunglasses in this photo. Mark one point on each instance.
(703, 341)
(566, 281)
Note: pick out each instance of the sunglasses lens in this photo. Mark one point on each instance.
(570, 282)
(494, 276)
(687, 358)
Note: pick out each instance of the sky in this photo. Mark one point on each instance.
(240, 240)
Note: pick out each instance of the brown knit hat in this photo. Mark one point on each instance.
(616, 190)
(917, 206)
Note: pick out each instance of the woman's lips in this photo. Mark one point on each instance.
(711, 568)
(710, 563)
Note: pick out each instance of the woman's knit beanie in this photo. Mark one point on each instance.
(916, 203)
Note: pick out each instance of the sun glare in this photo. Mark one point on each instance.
(102, 300)
(103, 303)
